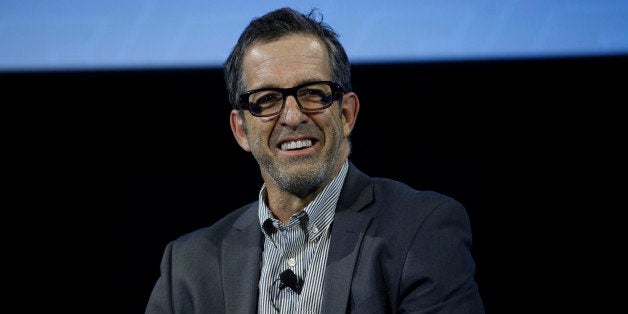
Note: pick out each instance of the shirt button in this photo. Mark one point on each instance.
(291, 262)
(315, 230)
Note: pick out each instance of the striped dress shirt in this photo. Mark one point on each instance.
(294, 257)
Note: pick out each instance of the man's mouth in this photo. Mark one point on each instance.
(292, 145)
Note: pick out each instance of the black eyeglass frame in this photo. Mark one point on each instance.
(337, 91)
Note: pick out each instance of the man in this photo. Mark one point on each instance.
(322, 237)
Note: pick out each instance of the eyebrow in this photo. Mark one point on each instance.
(301, 82)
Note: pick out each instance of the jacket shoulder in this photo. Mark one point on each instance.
(212, 235)
(402, 193)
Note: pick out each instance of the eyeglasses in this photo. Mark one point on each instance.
(312, 96)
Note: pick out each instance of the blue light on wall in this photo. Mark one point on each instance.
(63, 34)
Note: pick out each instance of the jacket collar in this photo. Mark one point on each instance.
(348, 229)
(241, 263)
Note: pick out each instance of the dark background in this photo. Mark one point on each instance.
(115, 164)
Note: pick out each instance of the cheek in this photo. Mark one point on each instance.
(333, 126)
(258, 134)
(338, 123)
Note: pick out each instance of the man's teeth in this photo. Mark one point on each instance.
(296, 144)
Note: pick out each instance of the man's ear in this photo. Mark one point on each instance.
(350, 109)
(236, 120)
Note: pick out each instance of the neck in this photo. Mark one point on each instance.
(284, 204)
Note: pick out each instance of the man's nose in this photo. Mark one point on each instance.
(292, 114)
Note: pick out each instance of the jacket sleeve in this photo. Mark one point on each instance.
(438, 272)
(160, 300)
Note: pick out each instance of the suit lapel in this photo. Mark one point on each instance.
(347, 232)
(241, 258)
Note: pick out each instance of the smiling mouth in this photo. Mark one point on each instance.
(292, 145)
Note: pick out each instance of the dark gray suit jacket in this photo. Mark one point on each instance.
(393, 250)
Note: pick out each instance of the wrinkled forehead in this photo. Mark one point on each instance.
(286, 61)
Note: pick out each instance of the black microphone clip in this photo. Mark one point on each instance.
(291, 280)
(269, 227)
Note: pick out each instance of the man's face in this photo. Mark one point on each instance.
(299, 151)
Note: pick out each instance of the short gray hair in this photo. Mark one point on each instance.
(277, 24)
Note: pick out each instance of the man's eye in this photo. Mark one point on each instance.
(268, 99)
